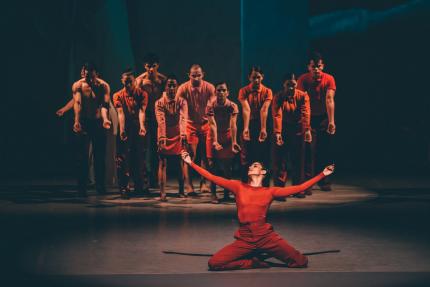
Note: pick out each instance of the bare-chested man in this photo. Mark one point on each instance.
(91, 97)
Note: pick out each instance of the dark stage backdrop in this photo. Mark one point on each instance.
(377, 51)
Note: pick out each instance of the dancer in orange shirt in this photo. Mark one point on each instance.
(291, 125)
(171, 113)
(197, 93)
(221, 144)
(255, 99)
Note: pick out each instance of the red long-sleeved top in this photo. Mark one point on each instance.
(253, 202)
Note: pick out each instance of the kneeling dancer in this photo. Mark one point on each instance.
(254, 235)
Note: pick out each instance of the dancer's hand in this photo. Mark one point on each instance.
(142, 131)
(77, 128)
(308, 136)
(331, 129)
(263, 135)
(235, 147)
(217, 146)
(186, 157)
(107, 124)
(60, 112)
(162, 143)
(123, 136)
(328, 170)
(279, 140)
(245, 135)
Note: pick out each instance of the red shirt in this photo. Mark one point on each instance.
(317, 91)
(131, 104)
(253, 202)
(197, 99)
(171, 116)
(291, 112)
(222, 114)
(255, 98)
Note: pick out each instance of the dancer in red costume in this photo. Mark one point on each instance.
(254, 235)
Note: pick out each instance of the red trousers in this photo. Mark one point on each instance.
(252, 240)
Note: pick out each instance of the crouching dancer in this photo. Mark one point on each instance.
(254, 235)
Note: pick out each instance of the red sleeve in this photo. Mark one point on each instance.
(301, 83)
(305, 112)
(242, 94)
(210, 109)
(331, 84)
(161, 120)
(277, 114)
(289, 190)
(231, 185)
(183, 117)
(117, 101)
(269, 95)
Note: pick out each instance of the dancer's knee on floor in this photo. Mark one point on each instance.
(215, 264)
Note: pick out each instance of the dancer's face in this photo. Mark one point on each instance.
(290, 85)
(89, 76)
(196, 76)
(316, 69)
(151, 68)
(128, 81)
(221, 93)
(256, 169)
(255, 79)
(171, 88)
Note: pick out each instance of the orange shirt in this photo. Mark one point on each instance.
(317, 91)
(171, 116)
(255, 98)
(291, 111)
(222, 114)
(131, 104)
(197, 99)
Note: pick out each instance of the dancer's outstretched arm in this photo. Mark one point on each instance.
(231, 185)
(290, 190)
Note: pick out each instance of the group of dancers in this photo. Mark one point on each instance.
(197, 118)
(201, 118)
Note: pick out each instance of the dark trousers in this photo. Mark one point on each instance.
(152, 157)
(252, 241)
(319, 153)
(222, 167)
(255, 151)
(130, 159)
(290, 156)
(92, 133)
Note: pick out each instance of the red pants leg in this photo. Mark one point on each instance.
(280, 249)
(232, 256)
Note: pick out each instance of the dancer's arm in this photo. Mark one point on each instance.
(290, 190)
(231, 185)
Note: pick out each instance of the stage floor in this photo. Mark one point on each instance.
(379, 224)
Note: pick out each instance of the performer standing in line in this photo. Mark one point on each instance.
(171, 113)
(197, 93)
(91, 97)
(153, 82)
(291, 125)
(221, 144)
(130, 103)
(255, 99)
(321, 88)
(255, 235)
